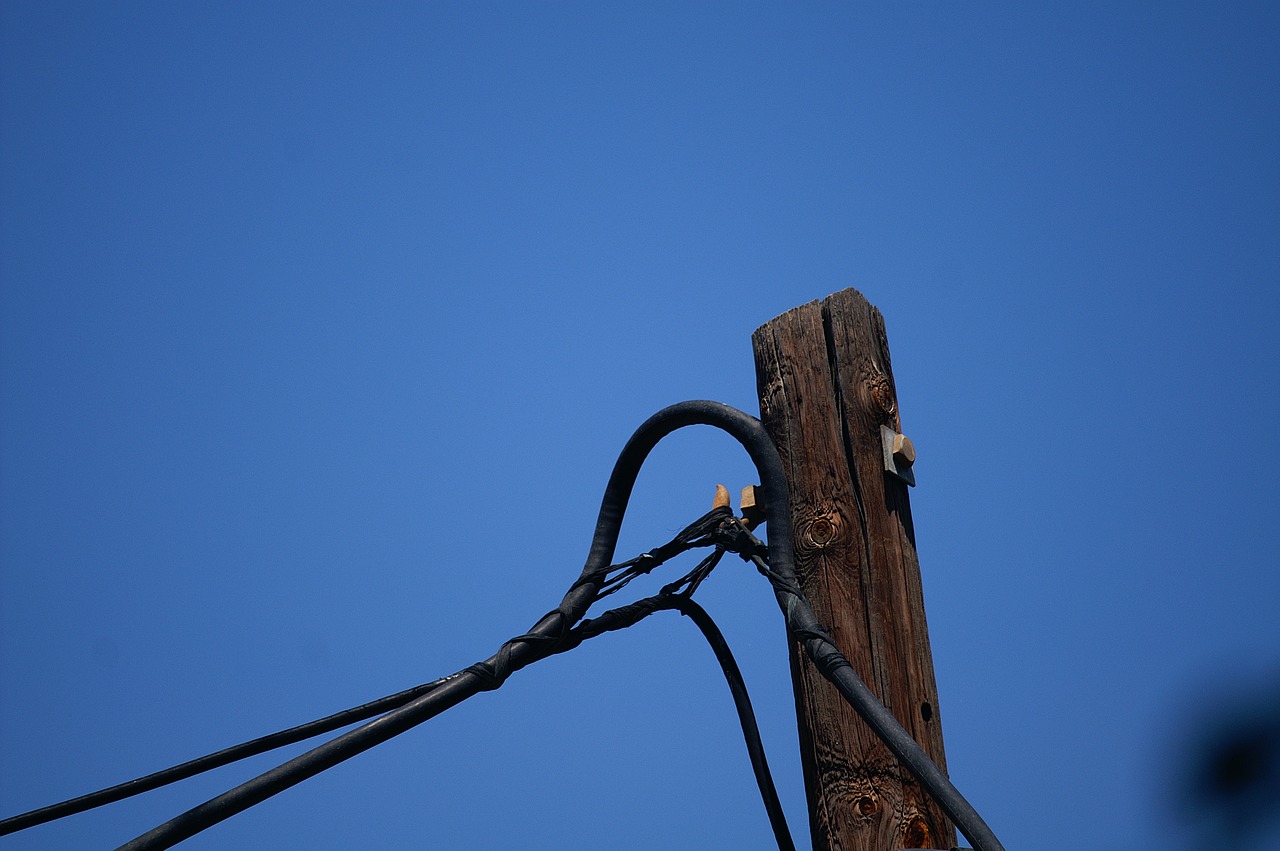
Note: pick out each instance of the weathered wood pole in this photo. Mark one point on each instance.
(826, 388)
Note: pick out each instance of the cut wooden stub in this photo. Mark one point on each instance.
(826, 388)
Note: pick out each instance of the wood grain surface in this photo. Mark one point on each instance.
(826, 387)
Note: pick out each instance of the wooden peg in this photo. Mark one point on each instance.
(752, 505)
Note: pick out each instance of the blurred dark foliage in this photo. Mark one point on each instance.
(1228, 779)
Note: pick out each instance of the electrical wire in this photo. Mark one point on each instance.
(780, 568)
(746, 718)
(556, 630)
(800, 620)
(615, 619)
(209, 762)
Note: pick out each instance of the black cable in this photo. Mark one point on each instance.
(226, 756)
(702, 532)
(799, 618)
(746, 718)
(541, 640)
(629, 615)
(612, 620)
(836, 668)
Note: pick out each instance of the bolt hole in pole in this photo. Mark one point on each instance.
(926, 711)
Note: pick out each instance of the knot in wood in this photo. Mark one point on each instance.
(916, 833)
(853, 800)
(819, 533)
(866, 806)
(881, 393)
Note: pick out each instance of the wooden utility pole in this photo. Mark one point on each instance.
(827, 398)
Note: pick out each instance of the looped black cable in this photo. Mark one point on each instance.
(799, 616)
(551, 630)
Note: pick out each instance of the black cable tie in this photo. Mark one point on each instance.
(645, 562)
(826, 657)
(487, 674)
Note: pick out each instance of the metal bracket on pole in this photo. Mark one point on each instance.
(899, 454)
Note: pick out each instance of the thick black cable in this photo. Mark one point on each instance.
(629, 615)
(800, 619)
(838, 670)
(538, 642)
(626, 616)
(746, 719)
(209, 762)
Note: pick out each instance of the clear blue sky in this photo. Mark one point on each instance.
(321, 325)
